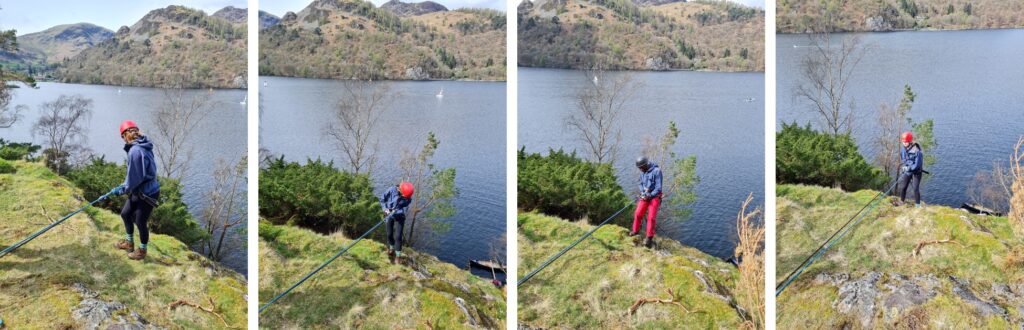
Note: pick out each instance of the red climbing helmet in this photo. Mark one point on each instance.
(908, 137)
(406, 189)
(125, 125)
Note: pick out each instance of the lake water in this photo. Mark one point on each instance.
(970, 82)
(716, 123)
(469, 122)
(221, 135)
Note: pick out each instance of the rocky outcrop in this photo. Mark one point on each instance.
(268, 20)
(406, 9)
(232, 14)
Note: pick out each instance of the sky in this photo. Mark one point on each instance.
(29, 16)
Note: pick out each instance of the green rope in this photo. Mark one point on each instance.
(11, 248)
(350, 245)
(567, 248)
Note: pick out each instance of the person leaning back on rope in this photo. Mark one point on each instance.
(911, 169)
(140, 183)
(394, 202)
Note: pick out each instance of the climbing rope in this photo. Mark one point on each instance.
(11, 248)
(350, 245)
(567, 248)
(838, 235)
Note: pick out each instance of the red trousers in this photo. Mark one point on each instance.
(649, 206)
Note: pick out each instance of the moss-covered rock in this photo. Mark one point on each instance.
(50, 282)
(595, 285)
(362, 289)
(902, 267)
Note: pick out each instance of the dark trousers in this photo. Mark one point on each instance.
(136, 213)
(395, 223)
(905, 181)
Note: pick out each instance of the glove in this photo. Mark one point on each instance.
(643, 196)
(387, 212)
(905, 169)
(119, 190)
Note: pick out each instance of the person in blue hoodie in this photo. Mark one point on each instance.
(141, 186)
(911, 168)
(649, 200)
(394, 202)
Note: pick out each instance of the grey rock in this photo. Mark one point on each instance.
(416, 73)
(858, 297)
(465, 310)
(655, 63)
(831, 279)
(412, 8)
(905, 294)
(961, 289)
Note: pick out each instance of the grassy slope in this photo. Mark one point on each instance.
(884, 242)
(362, 289)
(581, 39)
(594, 285)
(796, 16)
(36, 279)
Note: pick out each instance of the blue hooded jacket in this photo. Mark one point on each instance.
(393, 200)
(650, 181)
(912, 158)
(141, 175)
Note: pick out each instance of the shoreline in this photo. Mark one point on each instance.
(910, 30)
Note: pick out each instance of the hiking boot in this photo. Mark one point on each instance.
(396, 260)
(633, 233)
(391, 253)
(898, 203)
(137, 254)
(649, 242)
(125, 245)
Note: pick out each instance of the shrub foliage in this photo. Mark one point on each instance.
(564, 185)
(806, 156)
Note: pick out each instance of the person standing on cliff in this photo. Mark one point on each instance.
(394, 202)
(142, 187)
(911, 168)
(649, 200)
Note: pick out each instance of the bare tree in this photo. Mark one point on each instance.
(226, 208)
(177, 118)
(826, 72)
(993, 188)
(63, 124)
(891, 122)
(749, 253)
(680, 174)
(9, 116)
(436, 187)
(356, 121)
(599, 106)
(1017, 201)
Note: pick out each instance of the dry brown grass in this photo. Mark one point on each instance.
(750, 287)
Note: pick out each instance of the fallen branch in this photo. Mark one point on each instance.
(210, 310)
(920, 245)
(643, 301)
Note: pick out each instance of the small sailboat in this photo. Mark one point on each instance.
(264, 84)
(244, 100)
(119, 91)
(440, 94)
(749, 99)
(595, 80)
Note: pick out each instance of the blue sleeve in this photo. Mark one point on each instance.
(641, 183)
(384, 198)
(917, 160)
(656, 175)
(136, 170)
(400, 205)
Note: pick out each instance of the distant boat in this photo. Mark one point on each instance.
(440, 94)
(749, 99)
(244, 99)
(595, 80)
(119, 91)
(264, 84)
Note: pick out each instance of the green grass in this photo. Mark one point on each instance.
(885, 242)
(36, 279)
(362, 289)
(594, 285)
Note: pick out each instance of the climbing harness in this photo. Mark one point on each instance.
(567, 248)
(350, 245)
(11, 248)
(838, 235)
